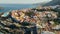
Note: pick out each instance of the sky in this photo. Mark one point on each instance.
(22, 1)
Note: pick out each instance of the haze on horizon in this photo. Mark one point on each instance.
(23, 1)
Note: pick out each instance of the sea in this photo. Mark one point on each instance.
(9, 7)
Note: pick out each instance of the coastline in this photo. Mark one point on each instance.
(42, 10)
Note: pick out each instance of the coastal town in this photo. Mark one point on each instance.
(40, 20)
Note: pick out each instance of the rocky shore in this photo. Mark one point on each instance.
(46, 19)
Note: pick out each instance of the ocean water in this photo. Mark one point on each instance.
(8, 7)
